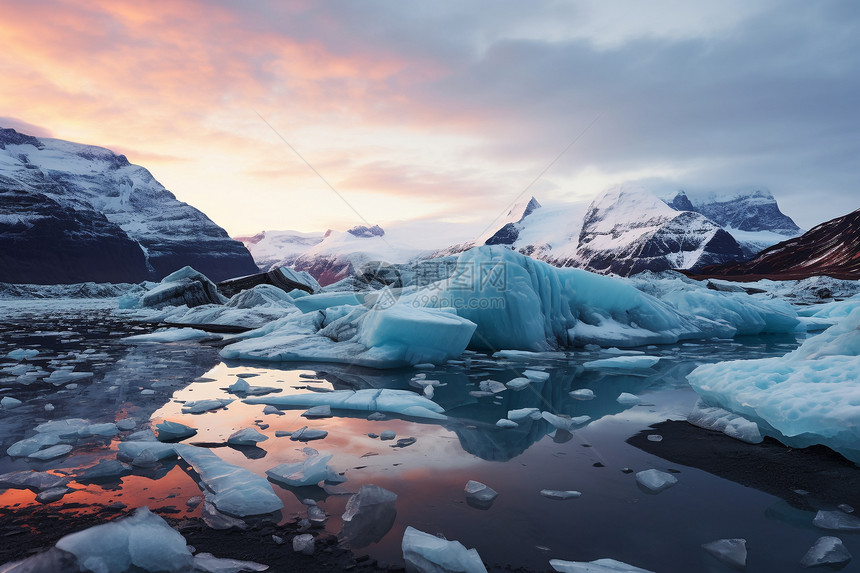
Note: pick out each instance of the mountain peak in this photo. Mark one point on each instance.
(364, 232)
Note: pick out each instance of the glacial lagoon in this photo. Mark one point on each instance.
(613, 517)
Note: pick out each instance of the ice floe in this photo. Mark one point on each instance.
(425, 553)
(385, 400)
(810, 396)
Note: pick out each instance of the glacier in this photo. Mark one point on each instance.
(809, 396)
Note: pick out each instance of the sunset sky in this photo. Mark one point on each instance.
(445, 110)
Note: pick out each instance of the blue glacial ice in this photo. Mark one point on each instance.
(523, 304)
(596, 566)
(495, 298)
(427, 553)
(809, 396)
(143, 541)
(232, 489)
(402, 402)
(400, 335)
(306, 472)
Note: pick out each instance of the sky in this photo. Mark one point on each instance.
(274, 115)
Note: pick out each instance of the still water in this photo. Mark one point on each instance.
(614, 517)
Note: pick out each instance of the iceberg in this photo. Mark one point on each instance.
(425, 553)
(395, 336)
(401, 402)
(519, 303)
(143, 541)
(234, 490)
(809, 396)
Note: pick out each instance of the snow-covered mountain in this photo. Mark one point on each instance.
(279, 248)
(829, 249)
(73, 212)
(752, 218)
(628, 230)
(624, 231)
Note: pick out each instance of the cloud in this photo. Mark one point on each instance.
(22, 126)
(445, 107)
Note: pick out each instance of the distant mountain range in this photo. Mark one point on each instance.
(74, 213)
(624, 231)
(831, 248)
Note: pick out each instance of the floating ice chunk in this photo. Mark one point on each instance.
(23, 353)
(66, 428)
(161, 451)
(201, 406)
(492, 386)
(306, 434)
(31, 445)
(143, 541)
(246, 437)
(317, 515)
(654, 438)
(836, 520)
(173, 335)
(52, 495)
(174, 431)
(220, 521)
(730, 551)
(563, 423)
(479, 493)
(517, 383)
(141, 436)
(523, 413)
(309, 471)
(210, 564)
(51, 453)
(715, 418)
(506, 424)
(29, 479)
(402, 402)
(536, 375)
(8, 402)
(428, 391)
(627, 399)
(596, 566)
(105, 430)
(237, 491)
(559, 494)
(60, 377)
(304, 544)
(126, 424)
(425, 366)
(622, 363)
(272, 410)
(321, 411)
(241, 387)
(582, 394)
(846, 508)
(826, 551)
(655, 480)
(103, 470)
(387, 435)
(427, 553)
(368, 516)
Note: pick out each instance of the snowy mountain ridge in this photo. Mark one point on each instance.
(625, 230)
(75, 212)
